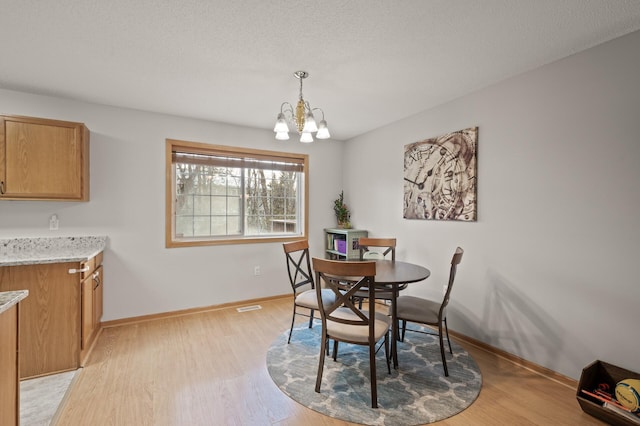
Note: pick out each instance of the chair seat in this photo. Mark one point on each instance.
(309, 300)
(416, 309)
(356, 333)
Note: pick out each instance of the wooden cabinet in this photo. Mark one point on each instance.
(54, 335)
(9, 381)
(43, 159)
(343, 243)
(91, 302)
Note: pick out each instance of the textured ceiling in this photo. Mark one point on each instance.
(371, 62)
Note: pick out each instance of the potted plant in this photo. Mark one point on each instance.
(342, 212)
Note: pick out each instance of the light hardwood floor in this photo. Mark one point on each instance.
(209, 369)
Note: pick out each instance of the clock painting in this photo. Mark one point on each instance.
(440, 177)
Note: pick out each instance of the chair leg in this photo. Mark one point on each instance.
(444, 361)
(404, 330)
(372, 373)
(323, 349)
(335, 350)
(387, 355)
(311, 318)
(448, 340)
(293, 319)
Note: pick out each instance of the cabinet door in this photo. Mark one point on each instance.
(98, 288)
(87, 311)
(9, 387)
(91, 306)
(49, 317)
(43, 159)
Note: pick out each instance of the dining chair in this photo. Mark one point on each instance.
(428, 311)
(343, 321)
(377, 248)
(301, 279)
(374, 249)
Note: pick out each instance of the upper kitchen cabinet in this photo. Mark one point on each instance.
(43, 159)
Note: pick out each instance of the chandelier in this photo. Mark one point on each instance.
(301, 118)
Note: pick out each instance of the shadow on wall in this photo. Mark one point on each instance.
(512, 322)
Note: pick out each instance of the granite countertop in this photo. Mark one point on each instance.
(10, 298)
(30, 251)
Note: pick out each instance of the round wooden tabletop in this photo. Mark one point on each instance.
(397, 272)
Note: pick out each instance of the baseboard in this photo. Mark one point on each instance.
(521, 362)
(191, 311)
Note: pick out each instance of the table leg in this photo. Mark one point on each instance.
(394, 327)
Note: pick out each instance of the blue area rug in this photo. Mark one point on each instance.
(416, 393)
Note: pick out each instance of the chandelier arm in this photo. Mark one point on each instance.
(319, 109)
(288, 109)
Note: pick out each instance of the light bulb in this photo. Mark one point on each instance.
(323, 130)
(310, 123)
(282, 136)
(281, 124)
(306, 137)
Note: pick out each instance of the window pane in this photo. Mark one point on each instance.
(202, 205)
(184, 204)
(184, 226)
(201, 226)
(219, 205)
(233, 206)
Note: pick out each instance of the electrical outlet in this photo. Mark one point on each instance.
(54, 222)
(256, 270)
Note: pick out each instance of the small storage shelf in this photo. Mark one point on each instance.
(600, 372)
(342, 244)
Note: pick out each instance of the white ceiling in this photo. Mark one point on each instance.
(371, 62)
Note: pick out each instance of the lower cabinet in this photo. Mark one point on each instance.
(9, 383)
(60, 320)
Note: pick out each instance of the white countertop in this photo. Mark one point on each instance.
(10, 298)
(29, 251)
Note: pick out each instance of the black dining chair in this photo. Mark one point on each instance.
(301, 280)
(430, 312)
(343, 321)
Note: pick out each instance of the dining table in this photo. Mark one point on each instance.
(391, 275)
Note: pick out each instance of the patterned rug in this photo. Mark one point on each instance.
(416, 393)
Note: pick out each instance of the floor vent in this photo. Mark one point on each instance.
(249, 308)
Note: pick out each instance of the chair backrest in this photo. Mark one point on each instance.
(455, 261)
(298, 264)
(377, 248)
(345, 278)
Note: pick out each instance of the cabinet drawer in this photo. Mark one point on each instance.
(87, 267)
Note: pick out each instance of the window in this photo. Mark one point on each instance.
(224, 195)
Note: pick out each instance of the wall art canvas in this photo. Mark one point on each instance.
(440, 177)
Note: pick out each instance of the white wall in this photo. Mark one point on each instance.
(549, 271)
(128, 205)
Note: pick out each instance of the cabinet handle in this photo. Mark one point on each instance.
(75, 271)
(1, 187)
(96, 279)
